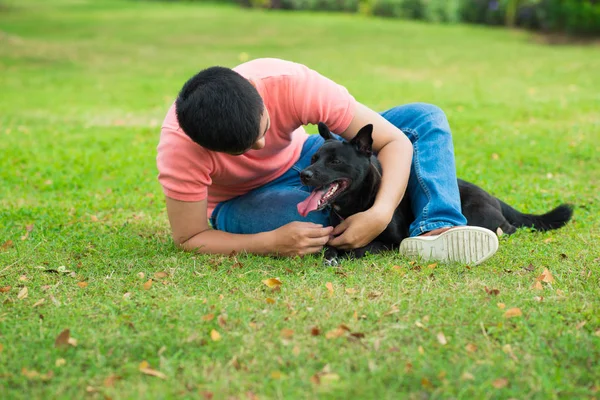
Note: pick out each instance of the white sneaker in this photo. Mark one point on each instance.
(465, 244)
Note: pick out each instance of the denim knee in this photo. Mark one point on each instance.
(414, 115)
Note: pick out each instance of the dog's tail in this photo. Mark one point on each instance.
(554, 219)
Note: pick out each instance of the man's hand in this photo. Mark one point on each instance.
(360, 229)
(300, 238)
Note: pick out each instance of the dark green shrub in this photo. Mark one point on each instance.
(409, 9)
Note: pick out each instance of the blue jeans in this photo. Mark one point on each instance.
(432, 186)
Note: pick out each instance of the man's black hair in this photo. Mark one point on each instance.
(220, 110)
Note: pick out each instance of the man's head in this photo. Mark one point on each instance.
(222, 111)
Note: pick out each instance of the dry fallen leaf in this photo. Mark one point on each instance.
(500, 383)
(501, 306)
(581, 324)
(547, 276)
(208, 317)
(315, 331)
(329, 287)
(296, 351)
(110, 380)
(432, 266)
(33, 374)
(60, 362)
(5, 289)
(94, 218)
(23, 278)
(270, 300)
(82, 284)
(287, 333)
(493, 292)
(351, 290)
(6, 245)
(513, 312)
(148, 284)
(160, 275)
(442, 338)
(62, 340)
(426, 383)
(538, 285)
(23, 293)
(127, 295)
(548, 240)
(471, 348)
(421, 350)
(141, 275)
(538, 298)
(145, 369)
(39, 302)
(336, 333)
(222, 320)
(273, 282)
(215, 336)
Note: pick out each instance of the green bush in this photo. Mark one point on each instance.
(409, 9)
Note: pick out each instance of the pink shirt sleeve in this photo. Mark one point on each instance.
(183, 168)
(318, 99)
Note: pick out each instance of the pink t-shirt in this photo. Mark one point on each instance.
(294, 95)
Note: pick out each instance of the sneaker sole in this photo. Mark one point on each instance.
(471, 245)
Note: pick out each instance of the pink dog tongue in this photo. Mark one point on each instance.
(311, 203)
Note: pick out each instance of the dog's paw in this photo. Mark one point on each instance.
(331, 262)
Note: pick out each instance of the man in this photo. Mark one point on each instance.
(232, 147)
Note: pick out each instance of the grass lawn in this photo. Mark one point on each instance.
(84, 85)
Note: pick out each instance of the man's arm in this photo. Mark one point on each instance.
(395, 154)
(190, 230)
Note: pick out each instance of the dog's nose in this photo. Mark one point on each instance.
(306, 175)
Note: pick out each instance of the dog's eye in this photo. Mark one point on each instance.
(334, 161)
(313, 159)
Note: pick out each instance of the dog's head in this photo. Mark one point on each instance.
(337, 169)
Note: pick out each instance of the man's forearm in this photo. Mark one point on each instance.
(213, 241)
(395, 159)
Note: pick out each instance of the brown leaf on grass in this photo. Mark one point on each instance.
(82, 284)
(62, 340)
(141, 275)
(513, 312)
(421, 350)
(432, 266)
(471, 348)
(329, 287)
(500, 383)
(94, 218)
(207, 317)
(23, 293)
(537, 286)
(538, 298)
(111, 379)
(559, 292)
(492, 292)
(160, 275)
(548, 240)
(358, 335)
(270, 300)
(581, 324)
(530, 268)
(351, 290)
(215, 336)
(426, 383)
(442, 338)
(222, 320)
(145, 369)
(501, 306)
(392, 310)
(148, 284)
(374, 295)
(33, 374)
(6, 245)
(39, 302)
(546, 276)
(23, 278)
(272, 282)
(60, 362)
(287, 333)
(5, 289)
(335, 333)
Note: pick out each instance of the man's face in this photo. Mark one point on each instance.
(265, 124)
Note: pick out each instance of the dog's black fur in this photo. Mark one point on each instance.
(354, 164)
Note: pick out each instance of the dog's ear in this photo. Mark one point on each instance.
(363, 141)
(324, 131)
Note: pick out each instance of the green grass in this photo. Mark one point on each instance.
(84, 87)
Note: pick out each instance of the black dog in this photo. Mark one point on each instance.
(347, 176)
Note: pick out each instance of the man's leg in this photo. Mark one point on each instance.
(433, 191)
(273, 205)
